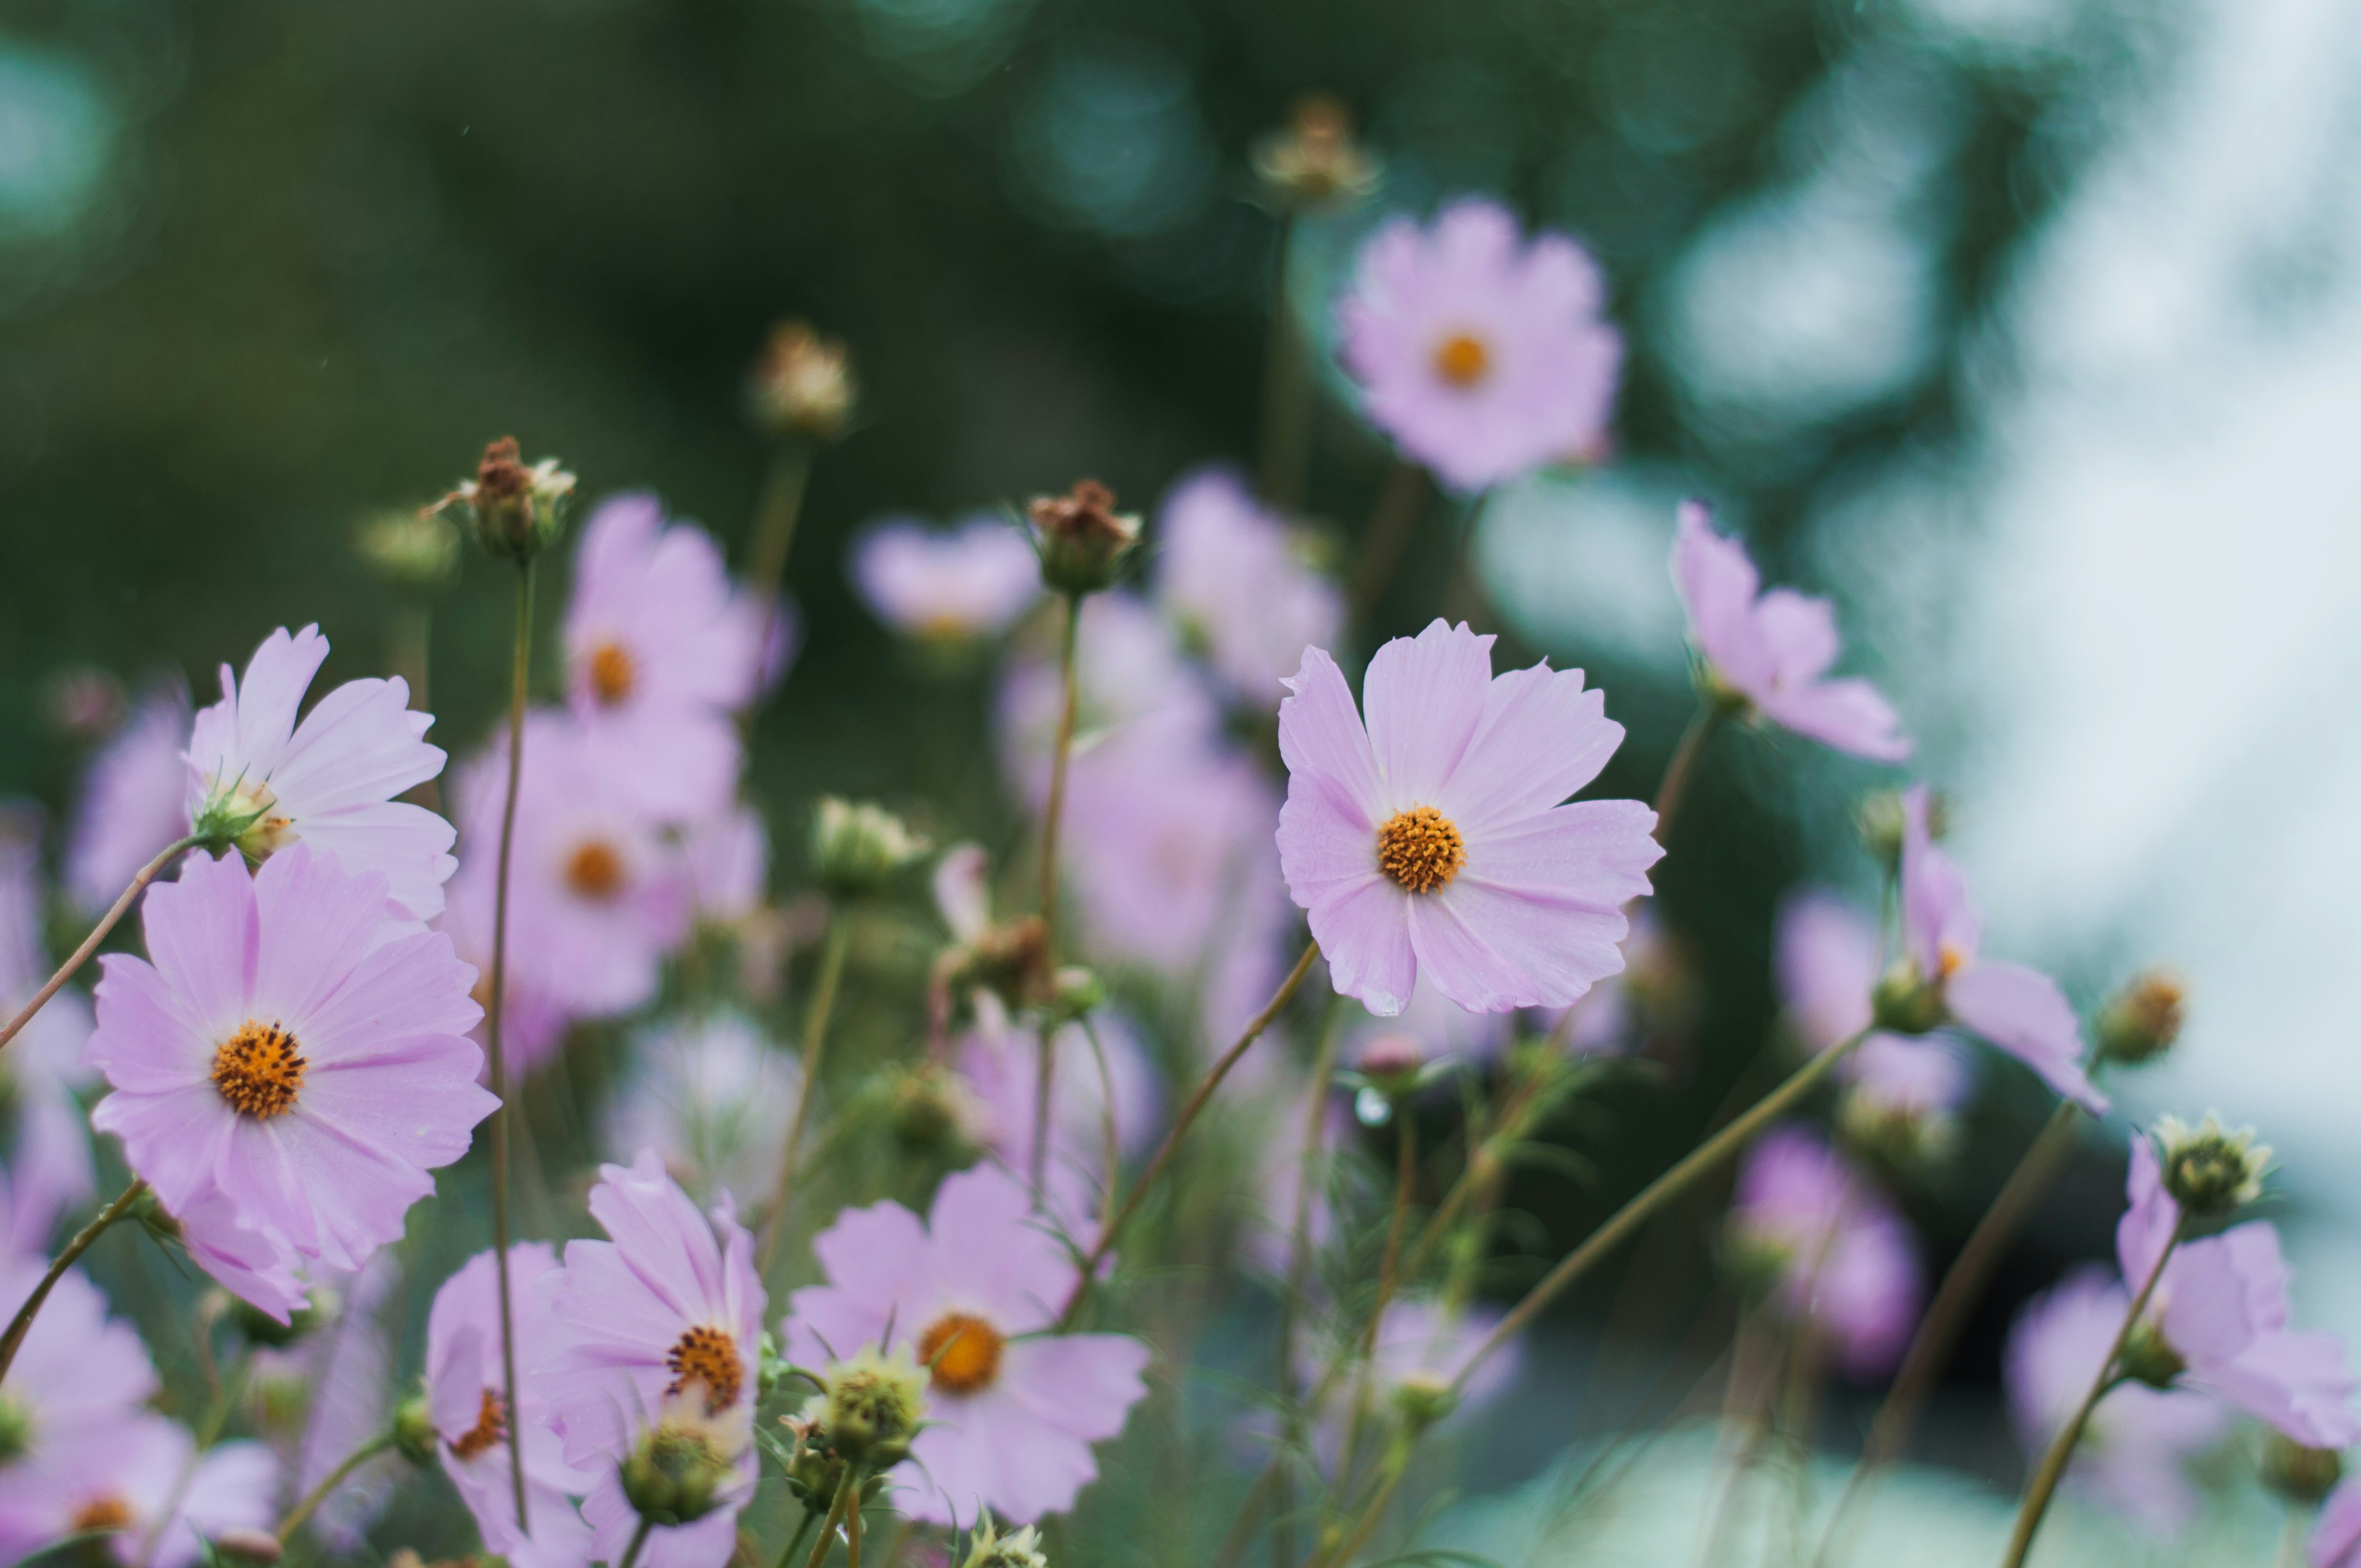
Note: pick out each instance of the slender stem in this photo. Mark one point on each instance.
(1046, 1064)
(107, 922)
(335, 1478)
(1400, 504)
(1397, 1461)
(796, 1544)
(1388, 1281)
(853, 1537)
(1110, 1143)
(823, 1003)
(22, 1322)
(413, 638)
(1286, 391)
(2044, 1480)
(1058, 761)
(1298, 1281)
(1723, 1145)
(639, 1541)
(774, 530)
(1163, 1156)
(521, 670)
(1674, 786)
(846, 1485)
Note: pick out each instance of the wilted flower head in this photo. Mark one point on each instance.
(869, 1408)
(858, 847)
(1229, 574)
(1432, 842)
(1483, 356)
(803, 386)
(414, 551)
(1835, 1251)
(513, 512)
(1080, 541)
(2140, 1022)
(2211, 1169)
(134, 799)
(952, 585)
(1314, 161)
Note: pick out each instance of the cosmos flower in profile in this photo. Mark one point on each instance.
(287, 1052)
(1230, 575)
(1834, 1249)
(332, 781)
(956, 585)
(75, 1394)
(1014, 1410)
(134, 799)
(1432, 843)
(149, 1479)
(1773, 650)
(1483, 354)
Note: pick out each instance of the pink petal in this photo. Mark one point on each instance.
(1542, 738)
(1424, 697)
(1850, 715)
(1939, 923)
(2025, 1013)
(1321, 741)
(202, 933)
(1363, 930)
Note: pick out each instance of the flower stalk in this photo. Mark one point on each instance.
(22, 1324)
(1675, 783)
(520, 669)
(106, 923)
(775, 516)
(335, 1478)
(823, 1003)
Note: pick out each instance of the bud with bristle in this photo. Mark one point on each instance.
(2302, 1476)
(414, 1436)
(869, 1408)
(514, 512)
(1314, 161)
(987, 1547)
(1081, 540)
(2140, 1022)
(857, 847)
(684, 1465)
(2211, 1169)
(803, 386)
(1424, 1397)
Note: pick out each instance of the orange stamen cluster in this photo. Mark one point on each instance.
(1462, 360)
(962, 1351)
(708, 1356)
(595, 870)
(1420, 849)
(258, 1070)
(613, 673)
(491, 1426)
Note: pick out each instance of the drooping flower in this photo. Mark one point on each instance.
(49, 1170)
(1230, 575)
(1000, 1065)
(74, 1393)
(1773, 651)
(1015, 1411)
(712, 1096)
(1483, 356)
(285, 1051)
(955, 585)
(664, 1318)
(330, 781)
(134, 799)
(1434, 843)
(464, 1395)
(2336, 1539)
(147, 1478)
(2135, 1451)
(659, 652)
(1838, 1255)
(1946, 979)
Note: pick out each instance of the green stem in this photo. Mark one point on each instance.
(852, 1536)
(639, 1542)
(1397, 1461)
(22, 1324)
(335, 1478)
(1391, 524)
(1058, 761)
(776, 515)
(106, 923)
(803, 1530)
(520, 668)
(1110, 1143)
(1286, 391)
(1298, 1281)
(1388, 1281)
(1674, 784)
(823, 1003)
(846, 1485)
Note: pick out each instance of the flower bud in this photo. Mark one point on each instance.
(412, 550)
(1905, 1002)
(1081, 540)
(1079, 993)
(1314, 161)
(1878, 819)
(924, 1107)
(514, 512)
(1424, 1397)
(15, 1429)
(868, 1409)
(858, 847)
(2211, 1169)
(679, 1470)
(249, 1546)
(2140, 1022)
(414, 1437)
(1900, 1138)
(803, 386)
(2149, 1357)
(2302, 1476)
(987, 1547)
(1391, 1064)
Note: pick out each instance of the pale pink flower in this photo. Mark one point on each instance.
(148, 1477)
(1000, 1063)
(1229, 574)
(349, 1364)
(1437, 1027)
(49, 1170)
(134, 799)
(532, 1022)
(1844, 1258)
(251, 1263)
(1482, 355)
(1432, 842)
(1774, 649)
(713, 1096)
(971, 580)
(1014, 1410)
(725, 863)
(285, 1050)
(1135, 690)
(1827, 961)
(77, 1388)
(2336, 1539)
(330, 782)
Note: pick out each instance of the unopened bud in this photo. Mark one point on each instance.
(924, 1107)
(318, 1310)
(1898, 1136)
(1424, 1398)
(1879, 819)
(1905, 1002)
(677, 1472)
(2140, 1022)
(413, 551)
(1081, 540)
(513, 512)
(857, 847)
(249, 1546)
(2302, 1476)
(869, 1408)
(16, 1430)
(1079, 993)
(803, 385)
(2211, 1169)
(2149, 1357)
(1314, 161)
(990, 1549)
(414, 1437)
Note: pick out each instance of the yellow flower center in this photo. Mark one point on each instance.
(613, 673)
(1462, 360)
(491, 1426)
(963, 1352)
(595, 870)
(1420, 849)
(706, 1357)
(107, 1512)
(258, 1070)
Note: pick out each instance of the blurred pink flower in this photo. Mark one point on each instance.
(1483, 355)
(1439, 1027)
(134, 799)
(1432, 842)
(49, 1168)
(1231, 577)
(1013, 1411)
(349, 1363)
(726, 859)
(1773, 649)
(2336, 1539)
(1000, 1063)
(532, 1022)
(1269, 1231)
(1842, 1256)
(712, 1095)
(1827, 959)
(2135, 1453)
(330, 782)
(971, 580)
(286, 1050)
(76, 1390)
(148, 1477)
(1419, 1336)
(1135, 690)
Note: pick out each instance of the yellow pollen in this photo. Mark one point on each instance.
(107, 1512)
(258, 1070)
(1420, 849)
(613, 673)
(491, 1426)
(595, 870)
(1949, 960)
(1462, 359)
(963, 1352)
(706, 1357)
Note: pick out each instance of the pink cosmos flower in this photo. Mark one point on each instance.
(1432, 842)
(2018, 1009)
(659, 652)
(1773, 649)
(1135, 689)
(712, 1095)
(287, 1052)
(148, 1477)
(670, 1304)
(2135, 1451)
(1624, 1012)
(726, 863)
(134, 799)
(1485, 358)
(1844, 1259)
(972, 580)
(464, 1385)
(253, 1264)
(2222, 1307)
(1000, 1063)
(76, 1388)
(1231, 576)
(50, 1167)
(2336, 1539)
(1014, 1410)
(330, 782)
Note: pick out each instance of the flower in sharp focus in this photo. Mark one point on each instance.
(1315, 160)
(1943, 978)
(712, 1095)
(2336, 1539)
(946, 585)
(1081, 543)
(465, 1393)
(330, 782)
(802, 387)
(134, 799)
(1835, 1251)
(252, 1261)
(1484, 356)
(74, 1392)
(1433, 841)
(1773, 650)
(1013, 1411)
(660, 651)
(660, 1326)
(2136, 1452)
(287, 1051)
(1228, 573)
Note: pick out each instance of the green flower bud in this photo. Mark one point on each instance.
(2302, 1476)
(1907, 1002)
(987, 1547)
(858, 847)
(680, 1469)
(1079, 993)
(868, 1409)
(2140, 1022)
(319, 1310)
(15, 1429)
(514, 512)
(2211, 1169)
(1082, 542)
(2149, 1357)
(414, 1437)
(1424, 1398)
(1878, 819)
(924, 1108)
